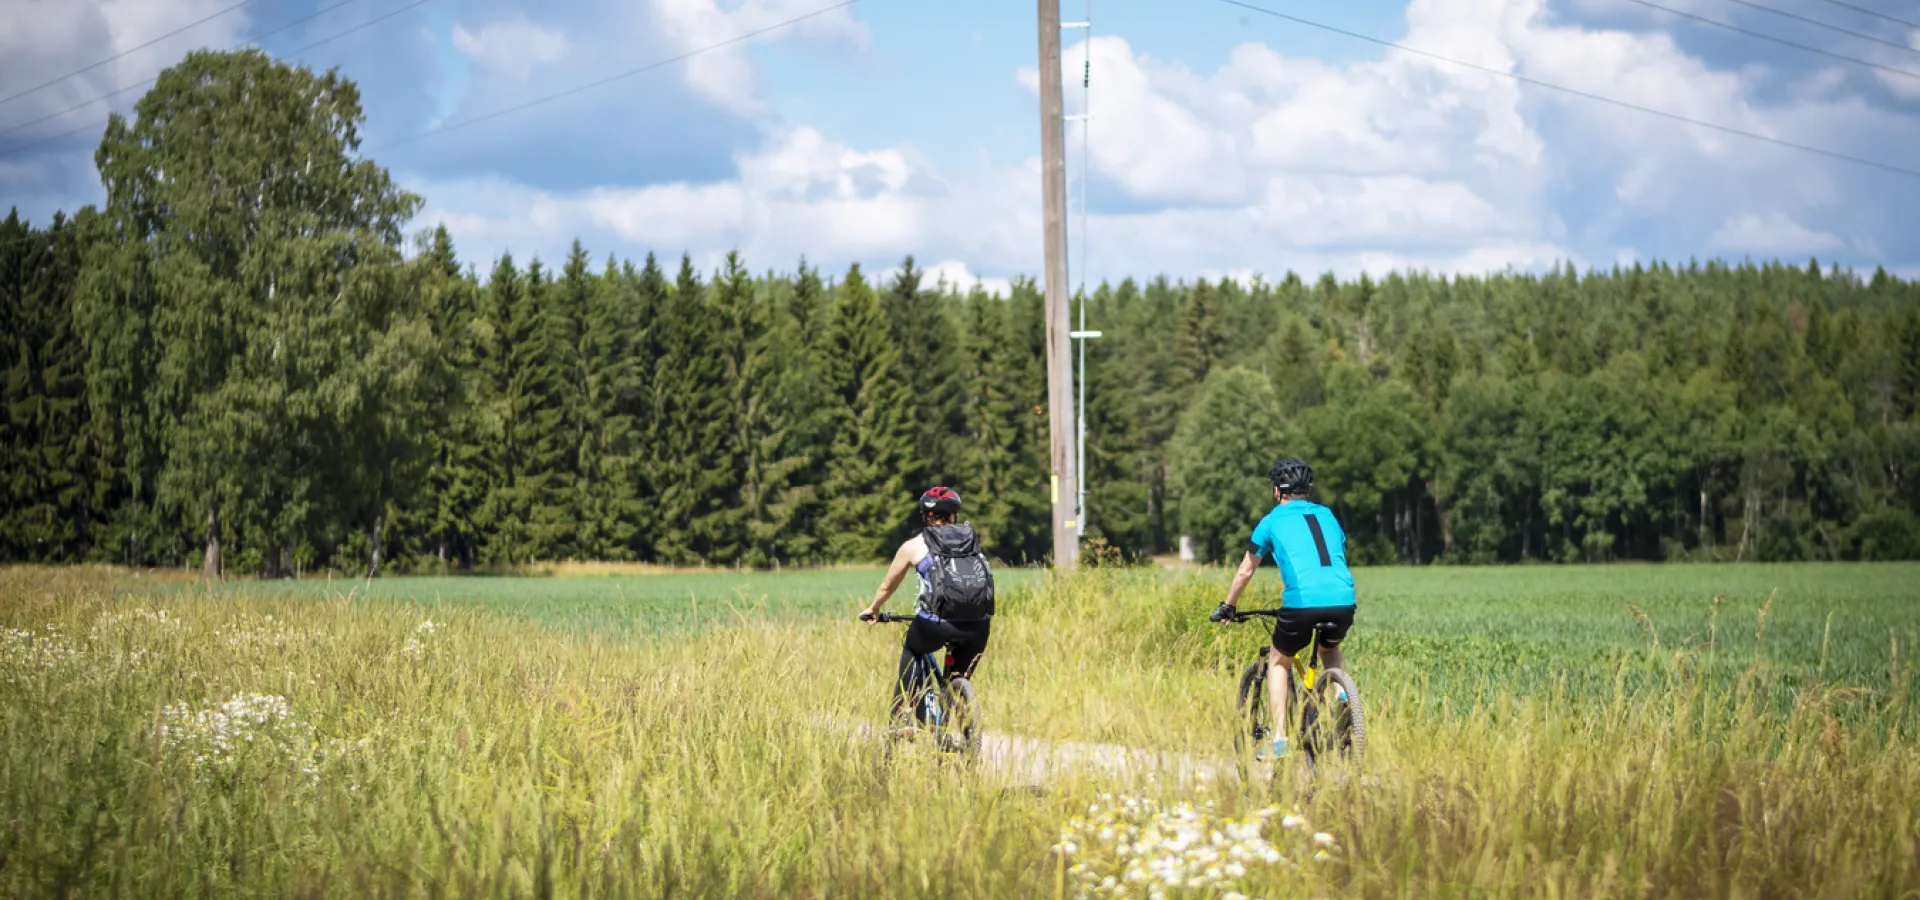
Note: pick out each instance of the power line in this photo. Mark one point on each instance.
(616, 77)
(1831, 154)
(568, 92)
(85, 69)
(1819, 24)
(10, 151)
(1782, 41)
(1877, 15)
(118, 91)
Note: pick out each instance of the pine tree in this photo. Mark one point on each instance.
(866, 493)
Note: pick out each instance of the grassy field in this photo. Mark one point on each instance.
(1580, 732)
(625, 605)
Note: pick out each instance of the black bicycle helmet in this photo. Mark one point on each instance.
(1291, 475)
(940, 500)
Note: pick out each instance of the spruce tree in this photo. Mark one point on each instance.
(503, 517)
(800, 416)
(443, 521)
(1201, 334)
(998, 475)
(693, 451)
(867, 496)
(929, 359)
(606, 491)
(50, 483)
(1906, 361)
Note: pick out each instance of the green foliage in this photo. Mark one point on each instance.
(867, 497)
(246, 276)
(694, 451)
(1217, 466)
(232, 359)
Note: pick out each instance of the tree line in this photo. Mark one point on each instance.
(234, 362)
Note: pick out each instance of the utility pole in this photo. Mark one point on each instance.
(1053, 185)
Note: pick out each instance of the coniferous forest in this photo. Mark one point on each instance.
(239, 361)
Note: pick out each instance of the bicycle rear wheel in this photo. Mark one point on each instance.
(963, 717)
(1333, 726)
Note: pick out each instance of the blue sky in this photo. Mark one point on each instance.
(1224, 142)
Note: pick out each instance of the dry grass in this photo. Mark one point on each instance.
(481, 757)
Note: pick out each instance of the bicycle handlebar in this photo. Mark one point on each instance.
(1242, 616)
(887, 617)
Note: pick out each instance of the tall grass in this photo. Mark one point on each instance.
(481, 757)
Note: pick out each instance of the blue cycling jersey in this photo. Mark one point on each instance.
(1306, 542)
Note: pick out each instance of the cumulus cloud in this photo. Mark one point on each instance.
(727, 76)
(1262, 162)
(512, 47)
(1772, 234)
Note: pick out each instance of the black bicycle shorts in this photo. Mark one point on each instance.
(1293, 628)
(965, 640)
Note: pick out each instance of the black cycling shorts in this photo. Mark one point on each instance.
(1293, 628)
(965, 640)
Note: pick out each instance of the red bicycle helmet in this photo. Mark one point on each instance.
(939, 499)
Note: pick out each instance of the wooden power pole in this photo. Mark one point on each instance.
(1053, 183)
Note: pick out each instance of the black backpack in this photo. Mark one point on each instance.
(961, 579)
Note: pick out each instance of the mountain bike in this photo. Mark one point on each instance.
(936, 706)
(1324, 704)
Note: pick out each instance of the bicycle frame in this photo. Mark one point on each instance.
(916, 689)
(1305, 663)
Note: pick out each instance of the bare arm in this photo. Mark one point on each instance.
(1241, 577)
(896, 571)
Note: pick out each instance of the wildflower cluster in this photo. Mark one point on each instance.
(268, 636)
(416, 646)
(1132, 846)
(25, 653)
(215, 740)
(141, 615)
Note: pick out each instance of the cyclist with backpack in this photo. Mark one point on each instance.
(956, 589)
(1307, 543)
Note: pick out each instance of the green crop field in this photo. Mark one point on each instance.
(1624, 731)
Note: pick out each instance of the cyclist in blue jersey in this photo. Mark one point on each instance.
(1306, 542)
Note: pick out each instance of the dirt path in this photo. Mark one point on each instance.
(1032, 761)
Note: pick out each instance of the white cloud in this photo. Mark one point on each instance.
(727, 76)
(955, 274)
(1773, 234)
(43, 41)
(1270, 162)
(511, 47)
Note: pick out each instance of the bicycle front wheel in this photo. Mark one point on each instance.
(1255, 725)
